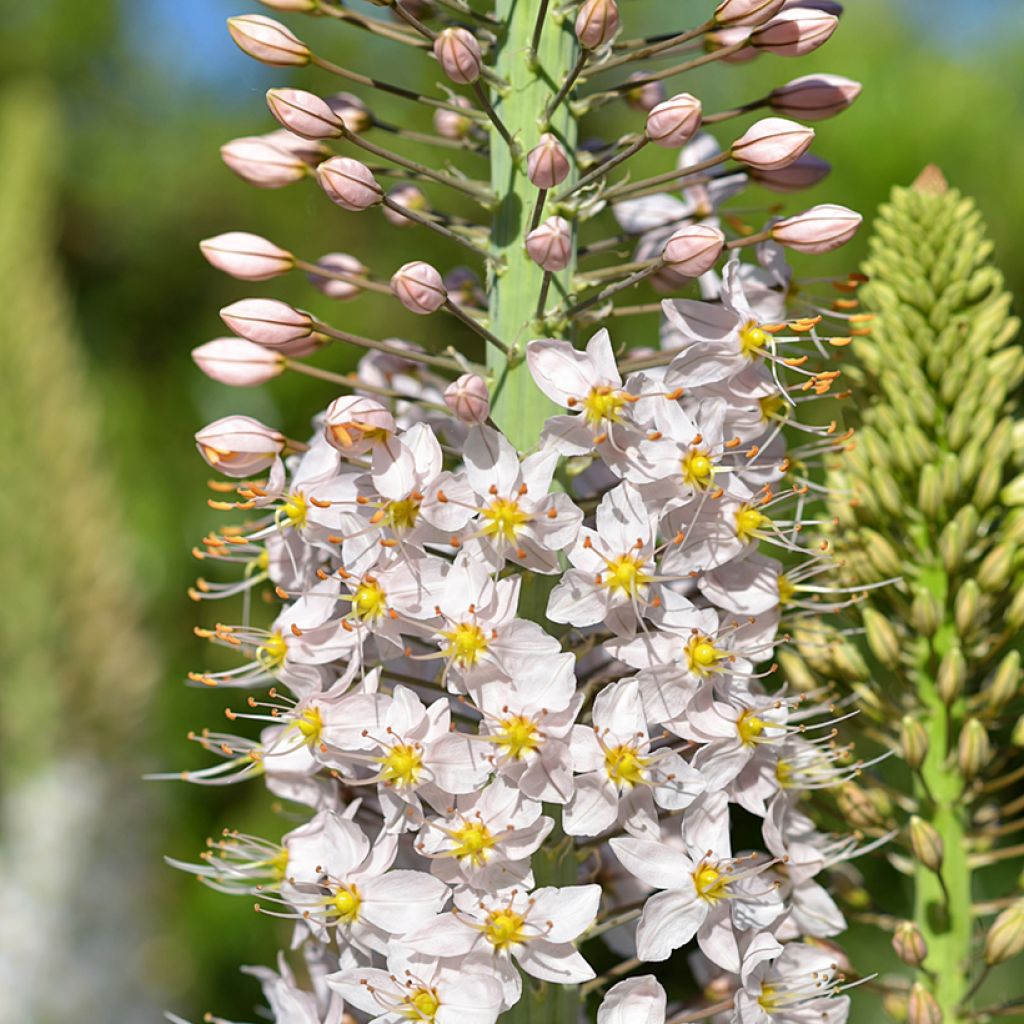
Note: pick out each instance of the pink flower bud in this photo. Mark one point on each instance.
(247, 257)
(239, 445)
(819, 229)
(726, 37)
(349, 183)
(747, 12)
(338, 262)
(408, 197)
(419, 287)
(694, 249)
(673, 123)
(458, 53)
(237, 362)
(550, 244)
(309, 151)
(451, 125)
(771, 143)
(354, 423)
(304, 114)
(667, 282)
(353, 112)
(261, 163)
(596, 23)
(547, 164)
(267, 321)
(268, 40)
(647, 96)
(803, 173)
(815, 97)
(468, 399)
(795, 32)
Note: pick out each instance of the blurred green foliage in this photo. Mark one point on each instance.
(141, 182)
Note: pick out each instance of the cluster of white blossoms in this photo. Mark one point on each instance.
(528, 697)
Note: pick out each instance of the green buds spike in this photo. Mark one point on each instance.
(908, 944)
(926, 843)
(913, 742)
(974, 749)
(1005, 939)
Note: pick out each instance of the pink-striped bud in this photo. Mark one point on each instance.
(451, 125)
(239, 445)
(237, 362)
(267, 321)
(819, 229)
(247, 257)
(771, 143)
(550, 244)
(727, 37)
(262, 163)
(747, 12)
(799, 175)
(408, 197)
(694, 249)
(458, 53)
(815, 97)
(268, 41)
(922, 1007)
(338, 263)
(596, 23)
(673, 123)
(354, 424)
(547, 164)
(349, 183)
(468, 399)
(795, 31)
(647, 96)
(419, 287)
(309, 151)
(304, 113)
(351, 110)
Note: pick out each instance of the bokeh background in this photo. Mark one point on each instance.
(111, 113)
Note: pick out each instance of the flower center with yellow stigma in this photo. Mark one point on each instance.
(783, 773)
(296, 509)
(626, 574)
(748, 521)
(771, 406)
(504, 927)
(749, 727)
(402, 515)
(698, 469)
(466, 642)
(766, 1000)
(702, 655)
(369, 601)
(753, 340)
(787, 588)
(278, 864)
(504, 519)
(710, 883)
(624, 765)
(310, 724)
(423, 1004)
(345, 904)
(402, 766)
(261, 563)
(603, 405)
(272, 653)
(474, 841)
(517, 736)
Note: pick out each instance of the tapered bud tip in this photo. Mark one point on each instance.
(926, 843)
(550, 244)
(795, 31)
(354, 424)
(354, 114)
(772, 143)
(726, 38)
(547, 164)
(1005, 938)
(304, 113)
(974, 749)
(803, 173)
(673, 123)
(349, 183)
(817, 230)
(407, 197)
(909, 945)
(450, 124)
(815, 97)
(694, 249)
(952, 674)
(913, 741)
(267, 321)
(268, 40)
(922, 1007)
(468, 399)
(247, 257)
(262, 162)
(419, 287)
(239, 445)
(596, 23)
(458, 53)
(237, 362)
(747, 12)
(647, 95)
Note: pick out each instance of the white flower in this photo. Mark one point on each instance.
(638, 1000)
(290, 1004)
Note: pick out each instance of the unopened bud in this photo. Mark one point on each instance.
(694, 249)
(913, 742)
(771, 143)
(351, 110)
(262, 163)
(1005, 938)
(965, 607)
(291, 6)
(974, 749)
(922, 1007)
(547, 164)
(406, 197)
(450, 124)
(458, 53)
(795, 32)
(1012, 494)
(952, 546)
(803, 173)
(310, 151)
(354, 423)
(747, 12)
(647, 95)
(925, 843)
(909, 945)
(247, 257)
(925, 613)
(338, 263)
(929, 492)
(468, 399)
(1017, 733)
(239, 445)
(267, 322)
(464, 288)
(237, 362)
(550, 244)
(673, 123)
(894, 1003)
(995, 569)
(304, 113)
(881, 637)
(952, 675)
(349, 183)
(795, 671)
(268, 40)
(1014, 616)
(419, 287)
(882, 554)
(596, 23)
(726, 38)
(1004, 685)
(849, 663)
(817, 230)
(815, 97)
(857, 807)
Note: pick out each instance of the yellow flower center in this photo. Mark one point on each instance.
(626, 574)
(771, 405)
(518, 736)
(702, 655)
(466, 642)
(345, 904)
(625, 765)
(504, 519)
(423, 1004)
(753, 340)
(749, 727)
(349, 434)
(504, 927)
(310, 724)
(272, 653)
(748, 522)
(402, 515)
(603, 404)
(261, 563)
(698, 469)
(278, 864)
(369, 601)
(402, 766)
(711, 885)
(474, 840)
(783, 773)
(787, 588)
(296, 509)
(766, 1000)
